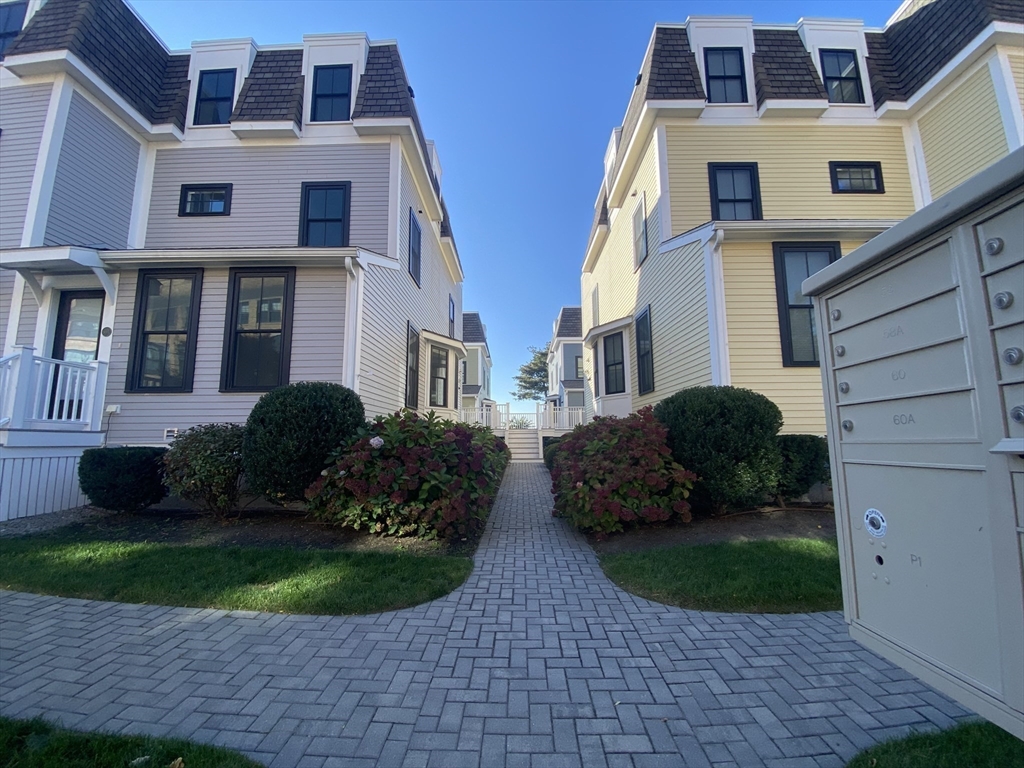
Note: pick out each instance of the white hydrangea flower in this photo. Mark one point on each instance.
(377, 442)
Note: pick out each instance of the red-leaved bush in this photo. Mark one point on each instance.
(615, 471)
(407, 475)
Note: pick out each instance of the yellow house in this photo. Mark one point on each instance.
(750, 157)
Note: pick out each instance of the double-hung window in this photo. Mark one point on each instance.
(735, 191)
(451, 316)
(414, 246)
(579, 367)
(438, 377)
(163, 350)
(794, 263)
(856, 178)
(12, 16)
(257, 336)
(640, 232)
(332, 93)
(412, 366)
(842, 77)
(214, 97)
(644, 352)
(614, 365)
(723, 69)
(324, 214)
(205, 200)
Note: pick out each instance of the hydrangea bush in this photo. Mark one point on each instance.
(613, 472)
(204, 465)
(408, 475)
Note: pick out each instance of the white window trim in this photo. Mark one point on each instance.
(642, 208)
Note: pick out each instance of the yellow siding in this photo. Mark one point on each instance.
(792, 165)
(673, 285)
(963, 134)
(613, 275)
(1017, 67)
(755, 347)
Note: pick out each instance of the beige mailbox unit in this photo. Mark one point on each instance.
(922, 346)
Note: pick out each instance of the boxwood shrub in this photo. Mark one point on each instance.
(204, 465)
(126, 479)
(408, 475)
(804, 463)
(613, 472)
(727, 436)
(550, 446)
(291, 432)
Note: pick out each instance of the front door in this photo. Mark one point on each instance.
(76, 340)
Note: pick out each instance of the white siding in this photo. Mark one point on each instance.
(27, 321)
(95, 181)
(316, 354)
(266, 192)
(22, 115)
(392, 299)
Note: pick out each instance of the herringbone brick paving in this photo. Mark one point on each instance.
(538, 660)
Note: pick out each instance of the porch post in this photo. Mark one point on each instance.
(22, 384)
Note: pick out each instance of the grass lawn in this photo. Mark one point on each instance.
(776, 576)
(243, 578)
(972, 745)
(36, 744)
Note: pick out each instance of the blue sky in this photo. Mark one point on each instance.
(521, 98)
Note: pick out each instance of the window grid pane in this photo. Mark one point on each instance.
(258, 351)
(725, 77)
(614, 367)
(332, 88)
(214, 98)
(438, 377)
(735, 192)
(644, 353)
(165, 317)
(797, 265)
(412, 366)
(325, 217)
(842, 78)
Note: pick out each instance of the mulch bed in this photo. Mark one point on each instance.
(798, 522)
(271, 527)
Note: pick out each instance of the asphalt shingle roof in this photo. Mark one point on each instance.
(273, 89)
(570, 323)
(472, 329)
(783, 69)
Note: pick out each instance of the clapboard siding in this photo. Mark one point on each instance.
(755, 343)
(27, 321)
(1017, 68)
(613, 275)
(392, 299)
(673, 285)
(317, 354)
(6, 289)
(95, 181)
(22, 116)
(792, 162)
(266, 192)
(962, 134)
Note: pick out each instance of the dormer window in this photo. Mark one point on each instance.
(12, 17)
(215, 97)
(332, 94)
(842, 77)
(724, 72)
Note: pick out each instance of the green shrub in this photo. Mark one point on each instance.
(407, 475)
(122, 479)
(291, 432)
(804, 463)
(615, 471)
(204, 465)
(727, 436)
(550, 447)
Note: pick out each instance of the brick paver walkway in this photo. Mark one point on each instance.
(537, 661)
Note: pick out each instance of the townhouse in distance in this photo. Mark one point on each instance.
(181, 231)
(751, 156)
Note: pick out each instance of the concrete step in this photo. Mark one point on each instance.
(524, 444)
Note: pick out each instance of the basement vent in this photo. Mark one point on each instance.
(170, 433)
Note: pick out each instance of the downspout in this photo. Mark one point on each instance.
(353, 323)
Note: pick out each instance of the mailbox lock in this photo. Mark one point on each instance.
(994, 246)
(844, 387)
(848, 425)
(1003, 300)
(1013, 355)
(840, 350)
(1017, 414)
(836, 314)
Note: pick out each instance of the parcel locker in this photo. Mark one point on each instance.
(921, 337)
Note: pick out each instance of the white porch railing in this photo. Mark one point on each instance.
(43, 393)
(559, 417)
